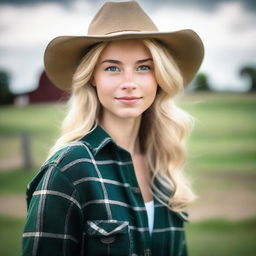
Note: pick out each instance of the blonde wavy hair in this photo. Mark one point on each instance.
(167, 126)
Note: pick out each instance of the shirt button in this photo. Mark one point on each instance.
(136, 190)
(108, 240)
(147, 252)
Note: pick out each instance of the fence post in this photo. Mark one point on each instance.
(26, 149)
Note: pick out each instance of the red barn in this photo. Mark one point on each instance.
(47, 92)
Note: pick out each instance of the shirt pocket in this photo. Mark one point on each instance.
(107, 237)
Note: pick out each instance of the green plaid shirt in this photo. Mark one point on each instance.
(86, 200)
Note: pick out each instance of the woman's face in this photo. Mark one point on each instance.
(124, 79)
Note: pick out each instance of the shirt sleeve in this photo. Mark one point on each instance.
(184, 247)
(184, 250)
(54, 220)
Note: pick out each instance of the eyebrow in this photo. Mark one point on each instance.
(119, 62)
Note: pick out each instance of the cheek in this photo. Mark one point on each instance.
(101, 85)
(105, 84)
(151, 87)
(152, 92)
(104, 90)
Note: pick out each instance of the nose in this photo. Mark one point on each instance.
(128, 82)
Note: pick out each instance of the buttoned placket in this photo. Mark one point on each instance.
(137, 191)
(149, 240)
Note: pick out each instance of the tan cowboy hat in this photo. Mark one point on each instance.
(120, 20)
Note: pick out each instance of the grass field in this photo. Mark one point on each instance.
(221, 161)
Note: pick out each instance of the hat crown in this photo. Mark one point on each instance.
(120, 16)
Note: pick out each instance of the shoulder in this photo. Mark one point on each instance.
(68, 153)
(61, 169)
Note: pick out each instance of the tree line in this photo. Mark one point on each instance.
(201, 81)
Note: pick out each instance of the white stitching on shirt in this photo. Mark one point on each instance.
(101, 180)
(51, 235)
(102, 183)
(167, 229)
(113, 162)
(103, 231)
(102, 143)
(106, 201)
(139, 229)
(87, 160)
(57, 193)
(81, 160)
(65, 244)
(39, 222)
(170, 220)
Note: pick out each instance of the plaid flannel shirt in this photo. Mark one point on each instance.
(85, 200)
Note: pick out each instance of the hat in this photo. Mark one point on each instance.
(115, 21)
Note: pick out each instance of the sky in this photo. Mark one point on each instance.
(227, 28)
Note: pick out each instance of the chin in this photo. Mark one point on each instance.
(130, 114)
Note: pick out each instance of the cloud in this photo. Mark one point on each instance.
(32, 2)
(30, 25)
(210, 4)
(26, 31)
(227, 33)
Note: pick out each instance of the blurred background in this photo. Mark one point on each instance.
(221, 150)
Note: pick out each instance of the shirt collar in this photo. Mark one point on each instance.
(97, 139)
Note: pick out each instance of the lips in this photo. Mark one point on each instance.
(128, 99)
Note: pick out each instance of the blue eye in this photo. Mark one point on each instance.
(144, 68)
(112, 69)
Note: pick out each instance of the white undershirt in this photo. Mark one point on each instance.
(150, 211)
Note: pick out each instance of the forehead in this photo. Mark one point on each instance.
(126, 48)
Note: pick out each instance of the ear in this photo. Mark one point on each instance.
(92, 82)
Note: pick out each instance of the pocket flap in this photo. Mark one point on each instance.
(106, 227)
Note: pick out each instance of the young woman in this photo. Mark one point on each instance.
(113, 184)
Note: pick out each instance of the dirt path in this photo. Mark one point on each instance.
(227, 194)
(13, 205)
(232, 205)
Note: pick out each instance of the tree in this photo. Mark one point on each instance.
(201, 82)
(6, 97)
(250, 72)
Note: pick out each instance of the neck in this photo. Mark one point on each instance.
(124, 132)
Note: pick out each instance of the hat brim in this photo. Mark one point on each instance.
(64, 53)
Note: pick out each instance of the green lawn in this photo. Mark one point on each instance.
(41, 121)
(36, 118)
(224, 138)
(222, 238)
(14, 182)
(11, 233)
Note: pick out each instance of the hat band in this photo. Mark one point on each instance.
(118, 31)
